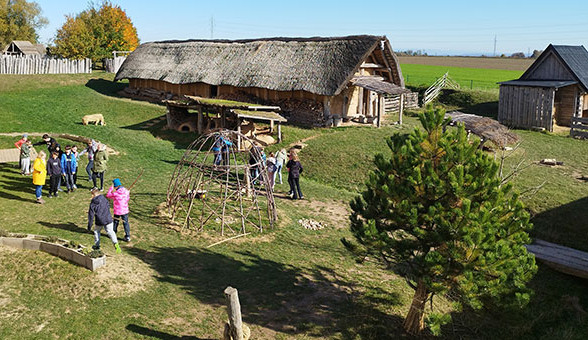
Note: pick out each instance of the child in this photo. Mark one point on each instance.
(294, 170)
(271, 169)
(281, 158)
(120, 204)
(18, 145)
(54, 172)
(74, 150)
(100, 210)
(39, 175)
(90, 150)
(100, 160)
(49, 141)
(25, 158)
(68, 168)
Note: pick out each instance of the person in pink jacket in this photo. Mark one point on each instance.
(120, 201)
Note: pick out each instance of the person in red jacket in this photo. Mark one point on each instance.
(120, 202)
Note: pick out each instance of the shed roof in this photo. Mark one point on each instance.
(317, 65)
(261, 115)
(378, 85)
(539, 83)
(26, 47)
(575, 59)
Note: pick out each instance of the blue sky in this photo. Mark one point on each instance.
(437, 27)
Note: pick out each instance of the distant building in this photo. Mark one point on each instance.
(553, 90)
(21, 47)
(346, 76)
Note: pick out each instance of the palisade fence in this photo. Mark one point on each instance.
(113, 64)
(42, 65)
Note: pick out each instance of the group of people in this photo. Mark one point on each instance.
(274, 165)
(62, 166)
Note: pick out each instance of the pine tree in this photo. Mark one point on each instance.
(436, 213)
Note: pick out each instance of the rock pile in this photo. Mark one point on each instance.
(311, 224)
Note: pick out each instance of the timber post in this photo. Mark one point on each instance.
(234, 311)
(400, 111)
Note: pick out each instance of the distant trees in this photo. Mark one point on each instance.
(436, 213)
(518, 55)
(95, 33)
(20, 20)
(536, 54)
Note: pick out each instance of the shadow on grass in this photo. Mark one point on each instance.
(557, 310)
(70, 226)
(278, 296)
(13, 181)
(565, 225)
(159, 335)
(157, 127)
(106, 87)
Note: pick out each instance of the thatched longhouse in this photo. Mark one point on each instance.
(312, 79)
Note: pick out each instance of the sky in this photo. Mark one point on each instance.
(435, 27)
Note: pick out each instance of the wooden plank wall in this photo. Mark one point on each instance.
(565, 105)
(526, 107)
(392, 102)
(551, 68)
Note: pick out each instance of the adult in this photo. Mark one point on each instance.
(39, 175)
(90, 149)
(294, 170)
(100, 160)
(120, 197)
(281, 158)
(100, 211)
(49, 141)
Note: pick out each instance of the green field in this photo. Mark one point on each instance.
(293, 283)
(468, 78)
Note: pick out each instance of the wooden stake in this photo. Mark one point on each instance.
(227, 239)
(234, 311)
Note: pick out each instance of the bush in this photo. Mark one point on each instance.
(466, 98)
(4, 233)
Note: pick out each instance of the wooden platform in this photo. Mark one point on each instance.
(560, 258)
(13, 155)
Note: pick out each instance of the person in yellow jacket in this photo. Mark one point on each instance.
(39, 175)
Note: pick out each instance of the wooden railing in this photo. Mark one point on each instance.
(579, 127)
(434, 90)
(42, 65)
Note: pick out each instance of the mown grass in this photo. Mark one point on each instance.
(467, 78)
(293, 284)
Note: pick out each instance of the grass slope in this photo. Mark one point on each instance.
(293, 284)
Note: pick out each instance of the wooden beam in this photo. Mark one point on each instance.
(327, 106)
(400, 111)
(372, 65)
(279, 132)
(271, 126)
(360, 102)
(380, 109)
(200, 129)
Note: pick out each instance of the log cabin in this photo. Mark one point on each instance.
(552, 91)
(311, 79)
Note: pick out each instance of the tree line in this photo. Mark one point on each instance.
(93, 33)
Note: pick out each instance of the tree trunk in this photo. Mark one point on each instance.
(414, 323)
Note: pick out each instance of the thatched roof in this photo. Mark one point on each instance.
(322, 66)
(485, 127)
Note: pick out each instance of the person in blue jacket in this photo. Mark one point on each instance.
(69, 167)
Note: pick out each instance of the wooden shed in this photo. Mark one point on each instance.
(311, 79)
(553, 91)
(24, 48)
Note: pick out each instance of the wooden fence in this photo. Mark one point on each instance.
(434, 90)
(113, 64)
(579, 127)
(392, 102)
(42, 65)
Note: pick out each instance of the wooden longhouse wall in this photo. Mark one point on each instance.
(525, 106)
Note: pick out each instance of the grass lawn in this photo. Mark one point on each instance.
(293, 283)
(468, 78)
